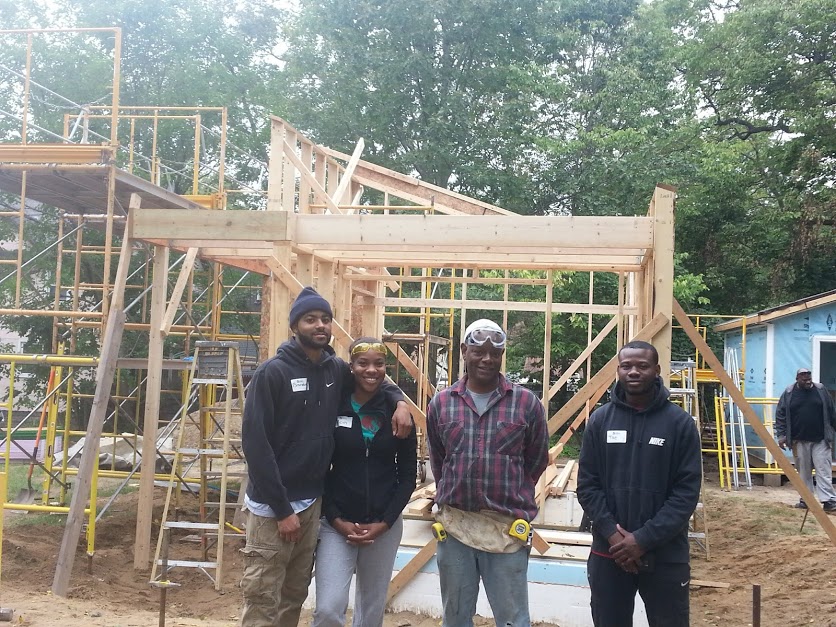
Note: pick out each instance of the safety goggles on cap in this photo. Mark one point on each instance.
(478, 337)
(364, 347)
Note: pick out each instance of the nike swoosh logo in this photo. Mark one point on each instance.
(328, 385)
(682, 585)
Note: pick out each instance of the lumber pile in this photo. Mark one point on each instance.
(560, 479)
(421, 502)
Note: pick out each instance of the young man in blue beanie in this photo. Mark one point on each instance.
(289, 420)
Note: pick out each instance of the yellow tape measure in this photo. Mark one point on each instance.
(438, 532)
(520, 529)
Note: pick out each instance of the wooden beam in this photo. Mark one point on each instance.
(415, 190)
(319, 193)
(406, 573)
(603, 377)
(496, 261)
(498, 305)
(153, 387)
(407, 278)
(564, 377)
(345, 182)
(123, 267)
(177, 292)
(251, 249)
(752, 418)
(90, 455)
(209, 225)
(615, 233)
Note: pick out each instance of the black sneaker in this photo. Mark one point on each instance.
(829, 506)
(801, 504)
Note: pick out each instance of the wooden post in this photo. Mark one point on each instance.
(663, 243)
(153, 386)
(547, 341)
(305, 268)
(279, 303)
(90, 454)
(752, 418)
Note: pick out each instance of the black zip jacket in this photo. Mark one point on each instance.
(642, 470)
(783, 419)
(374, 482)
(288, 427)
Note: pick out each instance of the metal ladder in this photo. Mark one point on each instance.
(688, 395)
(216, 370)
(737, 425)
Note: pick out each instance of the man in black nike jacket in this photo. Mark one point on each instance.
(639, 481)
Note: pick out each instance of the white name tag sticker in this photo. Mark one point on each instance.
(344, 421)
(299, 385)
(616, 437)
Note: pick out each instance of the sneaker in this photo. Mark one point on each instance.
(829, 506)
(801, 504)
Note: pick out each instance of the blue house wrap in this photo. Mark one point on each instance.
(779, 341)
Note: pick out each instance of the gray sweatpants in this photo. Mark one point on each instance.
(337, 561)
(810, 455)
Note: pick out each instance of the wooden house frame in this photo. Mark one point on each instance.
(315, 232)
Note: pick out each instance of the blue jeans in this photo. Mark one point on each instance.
(504, 576)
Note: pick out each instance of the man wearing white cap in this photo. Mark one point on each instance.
(488, 445)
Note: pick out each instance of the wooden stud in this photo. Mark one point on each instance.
(177, 292)
(304, 181)
(90, 455)
(274, 171)
(153, 387)
(663, 242)
(344, 187)
(547, 341)
(290, 163)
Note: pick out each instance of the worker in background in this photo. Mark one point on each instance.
(639, 478)
(805, 422)
(288, 438)
(488, 446)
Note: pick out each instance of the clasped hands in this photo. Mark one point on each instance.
(625, 550)
(359, 533)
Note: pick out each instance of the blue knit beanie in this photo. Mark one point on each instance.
(308, 300)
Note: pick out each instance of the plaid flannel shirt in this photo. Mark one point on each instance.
(490, 462)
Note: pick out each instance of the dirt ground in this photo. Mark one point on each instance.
(754, 538)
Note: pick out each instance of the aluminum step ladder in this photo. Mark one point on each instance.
(217, 378)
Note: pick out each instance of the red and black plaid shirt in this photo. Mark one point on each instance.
(491, 461)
